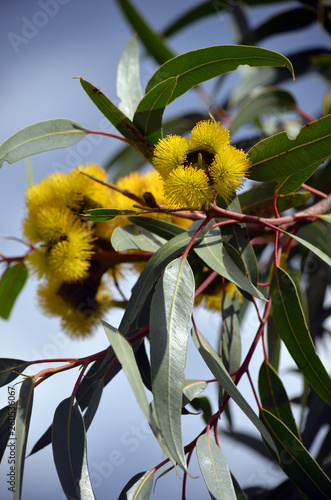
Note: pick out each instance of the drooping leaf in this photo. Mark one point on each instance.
(69, 450)
(125, 355)
(97, 388)
(296, 461)
(10, 369)
(192, 389)
(11, 284)
(279, 156)
(214, 469)
(230, 347)
(320, 247)
(289, 20)
(103, 214)
(292, 328)
(163, 228)
(128, 79)
(274, 397)
(133, 238)
(293, 182)
(214, 363)
(152, 41)
(40, 137)
(141, 488)
(7, 431)
(201, 65)
(121, 122)
(171, 310)
(258, 200)
(262, 101)
(214, 253)
(23, 415)
(149, 275)
(274, 343)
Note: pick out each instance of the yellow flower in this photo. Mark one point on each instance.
(80, 306)
(195, 169)
(187, 186)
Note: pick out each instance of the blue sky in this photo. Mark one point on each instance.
(43, 46)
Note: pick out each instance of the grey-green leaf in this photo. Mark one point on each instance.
(23, 415)
(214, 363)
(7, 430)
(142, 489)
(128, 86)
(214, 469)
(213, 252)
(171, 310)
(293, 329)
(69, 450)
(132, 237)
(39, 137)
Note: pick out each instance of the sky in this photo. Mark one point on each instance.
(43, 46)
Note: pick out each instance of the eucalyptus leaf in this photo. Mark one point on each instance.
(40, 137)
(69, 450)
(132, 237)
(214, 469)
(7, 430)
(171, 310)
(128, 79)
(11, 284)
(141, 489)
(22, 425)
(10, 369)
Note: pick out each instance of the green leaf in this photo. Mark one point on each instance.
(121, 122)
(274, 343)
(149, 275)
(203, 406)
(23, 415)
(102, 214)
(125, 356)
(216, 366)
(171, 310)
(11, 284)
(128, 79)
(293, 182)
(133, 238)
(259, 200)
(323, 252)
(7, 429)
(214, 469)
(214, 253)
(163, 228)
(290, 20)
(10, 369)
(141, 489)
(69, 450)
(192, 389)
(230, 347)
(149, 113)
(262, 101)
(274, 397)
(39, 137)
(279, 156)
(97, 388)
(201, 65)
(296, 462)
(152, 41)
(292, 328)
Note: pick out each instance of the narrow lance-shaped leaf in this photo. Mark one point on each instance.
(23, 415)
(214, 363)
(10, 369)
(121, 122)
(293, 329)
(11, 284)
(279, 156)
(201, 65)
(7, 431)
(133, 238)
(103, 214)
(274, 398)
(125, 356)
(139, 487)
(69, 450)
(128, 79)
(214, 469)
(296, 461)
(170, 317)
(149, 113)
(40, 137)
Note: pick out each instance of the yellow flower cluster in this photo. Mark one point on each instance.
(75, 258)
(196, 168)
